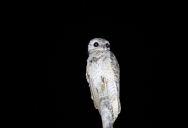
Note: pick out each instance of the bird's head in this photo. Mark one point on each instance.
(98, 44)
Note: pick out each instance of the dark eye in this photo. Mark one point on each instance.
(96, 44)
(107, 45)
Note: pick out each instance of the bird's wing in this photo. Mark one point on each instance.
(115, 67)
(94, 93)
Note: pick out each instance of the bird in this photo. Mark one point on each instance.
(103, 76)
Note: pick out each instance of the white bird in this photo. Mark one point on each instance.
(103, 76)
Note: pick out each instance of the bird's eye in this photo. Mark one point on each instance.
(96, 44)
(107, 45)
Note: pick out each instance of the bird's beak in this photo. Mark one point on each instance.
(100, 49)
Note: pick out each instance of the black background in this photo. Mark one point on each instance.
(49, 62)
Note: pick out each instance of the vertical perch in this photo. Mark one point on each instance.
(105, 107)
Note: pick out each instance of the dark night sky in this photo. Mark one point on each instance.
(50, 62)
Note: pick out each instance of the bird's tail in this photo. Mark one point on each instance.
(105, 106)
(106, 115)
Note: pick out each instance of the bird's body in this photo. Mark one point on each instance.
(103, 78)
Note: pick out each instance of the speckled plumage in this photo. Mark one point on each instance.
(102, 74)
